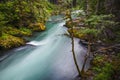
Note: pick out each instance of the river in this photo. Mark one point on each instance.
(47, 56)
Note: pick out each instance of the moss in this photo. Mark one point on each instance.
(117, 33)
(25, 31)
(105, 72)
(12, 37)
(76, 22)
(99, 60)
(37, 27)
(11, 31)
(116, 62)
(102, 67)
(68, 24)
(8, 41)
(78, 34)
(17, 32)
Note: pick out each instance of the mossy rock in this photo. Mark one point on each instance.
(74, 23)
(25, 31)
(17, 32)
(68, 24)
(116, 62)
(37, 26)
(77, 34)
(11, 31)
(8, 41)
(100, 60)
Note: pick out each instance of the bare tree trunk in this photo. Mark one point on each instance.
(86, 57)
(73, 51)
(74, 2)
(0, 32)
(97, 7)
(86, 7)
(20, 6)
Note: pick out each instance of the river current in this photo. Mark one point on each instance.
(47, 56)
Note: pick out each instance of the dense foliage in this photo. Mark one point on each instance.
(99, 29)
(98, 25)
(17, 16)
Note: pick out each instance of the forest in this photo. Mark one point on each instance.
(59, 40)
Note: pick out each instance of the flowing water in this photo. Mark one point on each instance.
(47, 56)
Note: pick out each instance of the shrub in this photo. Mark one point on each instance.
(105, 73)
(8, 41)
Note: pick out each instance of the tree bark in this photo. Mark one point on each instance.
(86, 8)
(74, 56)
(73, 51)
(97, 7)
(74, 2)
(86, 57)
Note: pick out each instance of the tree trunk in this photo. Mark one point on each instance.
(54, 1)
(0, 34)
(86, 7)
(73, 51)
(86, 57)
(74, 2)
(97, 7)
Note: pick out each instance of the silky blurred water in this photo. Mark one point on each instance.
(47, 56)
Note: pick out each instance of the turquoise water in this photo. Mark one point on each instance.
(46, 57)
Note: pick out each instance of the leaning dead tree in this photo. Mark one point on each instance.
(81, 72)
(72, 39)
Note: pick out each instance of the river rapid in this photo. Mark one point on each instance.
(47, 56)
